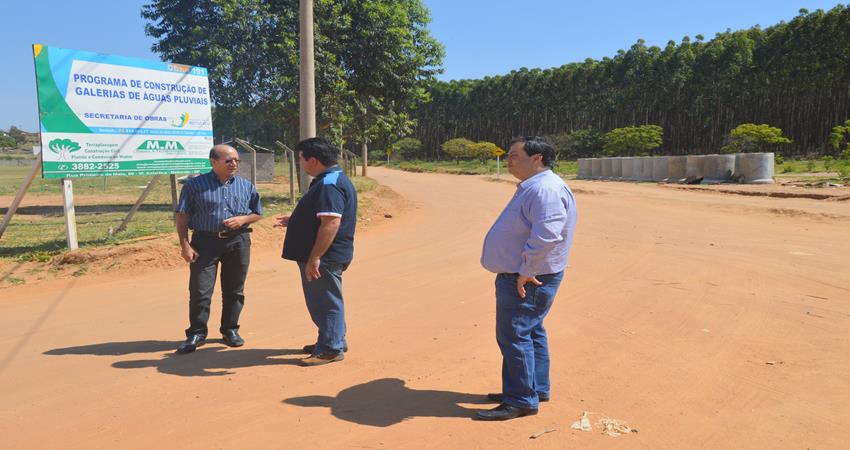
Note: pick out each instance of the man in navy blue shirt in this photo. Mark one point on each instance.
(320, 238)
(218, 207)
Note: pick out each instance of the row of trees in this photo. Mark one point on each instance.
(625, 141)
(16, 137)
(372, 59)
(792, 75)
(457, 149)
(376, 61)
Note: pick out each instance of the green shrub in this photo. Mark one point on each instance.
(633, 141)
(749, 137)
(578, 143)
(407, 148)
(458, 148)
(840, 139)
(810, 165)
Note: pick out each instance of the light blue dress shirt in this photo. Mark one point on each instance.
(534, 233)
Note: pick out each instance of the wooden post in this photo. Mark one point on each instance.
(135, 207)
(70, 214)
(364, 150)
(36, 166)
(173, 180)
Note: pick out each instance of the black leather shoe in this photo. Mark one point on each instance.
(192, 342)
(499, 398)
(232, 339)
(323, 358)
(309, 349)
(505, 412)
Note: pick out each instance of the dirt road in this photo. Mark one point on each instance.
(704, 320)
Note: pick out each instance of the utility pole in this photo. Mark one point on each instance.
(307, 82)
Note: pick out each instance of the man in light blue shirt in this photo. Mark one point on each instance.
(528, 248)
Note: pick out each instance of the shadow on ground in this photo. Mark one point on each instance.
(209, 360)
(387, 401)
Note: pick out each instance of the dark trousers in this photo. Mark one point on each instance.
(233, 254)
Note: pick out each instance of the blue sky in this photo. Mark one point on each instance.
(482, 37)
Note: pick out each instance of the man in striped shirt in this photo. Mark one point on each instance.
(218, 207)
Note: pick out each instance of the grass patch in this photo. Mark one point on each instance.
(363, 184)
(821, 169)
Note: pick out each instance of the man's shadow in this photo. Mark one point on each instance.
(209, 360)
(387, 401)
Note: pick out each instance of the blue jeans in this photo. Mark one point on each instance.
(325, 304)
(522, 338)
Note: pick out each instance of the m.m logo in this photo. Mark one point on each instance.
(155, 145)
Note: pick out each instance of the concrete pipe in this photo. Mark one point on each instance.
(646, 168)
(676, 169)
(583, 169)
(606, 168)
(617, 169)
(659, 168)
(694, 168)
(757, 168)
(595, 168)
(718, 169)
(626, 169)
(637, 168)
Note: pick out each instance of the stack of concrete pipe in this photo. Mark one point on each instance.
(750, 168)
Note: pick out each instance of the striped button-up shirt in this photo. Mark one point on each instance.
(534, 233)
(208, 201)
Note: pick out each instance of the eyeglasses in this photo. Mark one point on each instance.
(228, 161)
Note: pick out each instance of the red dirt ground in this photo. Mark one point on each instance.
(702, 319)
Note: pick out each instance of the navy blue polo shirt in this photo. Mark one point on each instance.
(331, 194)
(208, 201)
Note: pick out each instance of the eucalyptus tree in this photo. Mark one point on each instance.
(792, 75)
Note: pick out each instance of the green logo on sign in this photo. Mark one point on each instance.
(155, 145)
(63, 147)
